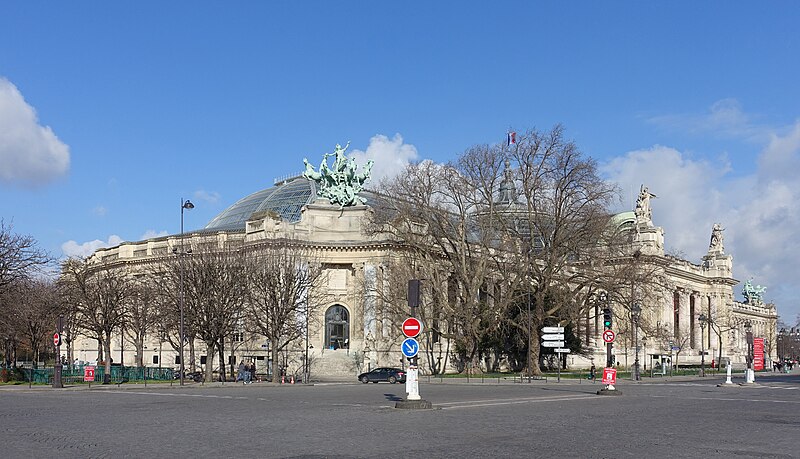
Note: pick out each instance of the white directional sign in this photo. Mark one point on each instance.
(552, 344)
(561, 350)
(553, 337)
(552, 329)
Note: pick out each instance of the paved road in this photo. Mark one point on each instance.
(661, 418)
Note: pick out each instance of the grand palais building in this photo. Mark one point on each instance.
(351, 332)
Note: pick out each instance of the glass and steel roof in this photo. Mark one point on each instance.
(285, 199)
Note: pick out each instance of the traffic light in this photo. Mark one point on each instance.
(607, 318)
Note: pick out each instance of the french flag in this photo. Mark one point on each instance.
(512, 138)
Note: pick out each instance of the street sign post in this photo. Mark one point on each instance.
(58, 366)
(412, 327)
(552, 329)
(552, 344)
(561, 350)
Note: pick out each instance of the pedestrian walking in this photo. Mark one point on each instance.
(247, 374)
(593, 372)
(240, 372)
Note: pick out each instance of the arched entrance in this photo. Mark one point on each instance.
(337, 327)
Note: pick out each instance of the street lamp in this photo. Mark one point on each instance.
(702, 319)
(750, 376)
(646, 358)
(184, 205)
(636, 311)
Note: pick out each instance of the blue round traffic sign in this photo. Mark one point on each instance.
(410, 347)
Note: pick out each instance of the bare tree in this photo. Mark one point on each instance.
(101, 297)
(37, 310)
(563, 220)
(215, 292)
(443, 216)
(142, 315)
(19, 256)
(284, 283)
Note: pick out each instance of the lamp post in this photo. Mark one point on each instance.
(305, 359)
(644, 351)
(702, 319)
(750, 376)
(636, 311)
(184, 205)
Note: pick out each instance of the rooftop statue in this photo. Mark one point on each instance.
(717, 238)
(753, 295)
(643, 203)
(340, 184)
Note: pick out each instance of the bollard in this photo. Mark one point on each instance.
(729, 381)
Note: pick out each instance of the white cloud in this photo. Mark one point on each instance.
(150, 234)
(211, 197)
(759, 210)
(100, 211)
(74, 249)
(724, 118)
(30, 154)
(390, 155)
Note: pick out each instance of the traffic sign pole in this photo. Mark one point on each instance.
(412, 380)
(410, 348)
(57, 383)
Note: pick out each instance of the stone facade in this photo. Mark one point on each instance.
(352, 332)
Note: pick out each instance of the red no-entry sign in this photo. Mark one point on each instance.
(412, 327)
(56, 339)
(608, 336)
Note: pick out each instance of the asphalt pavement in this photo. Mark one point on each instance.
(660, 417)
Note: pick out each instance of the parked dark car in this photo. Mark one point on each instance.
(391, 375)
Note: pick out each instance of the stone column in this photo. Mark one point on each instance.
(370, 299)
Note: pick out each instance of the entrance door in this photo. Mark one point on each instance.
(337, 328)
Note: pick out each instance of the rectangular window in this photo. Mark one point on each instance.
(676, 316)
(155, 359)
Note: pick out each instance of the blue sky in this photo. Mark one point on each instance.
(110, 113)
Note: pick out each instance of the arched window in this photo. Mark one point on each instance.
(337, 328)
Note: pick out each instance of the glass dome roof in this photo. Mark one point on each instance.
(285, 199)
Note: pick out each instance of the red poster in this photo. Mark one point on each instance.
(609, 376)
(88, 373)
(758, 354)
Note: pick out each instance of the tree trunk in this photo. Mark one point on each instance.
(140, 351)
(209, 362)
(277, 367)
(107, 351)
(191, 357)
(222, 367)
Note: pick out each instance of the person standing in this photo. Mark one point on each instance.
(240, 372)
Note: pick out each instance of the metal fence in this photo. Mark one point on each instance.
(73, 374)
